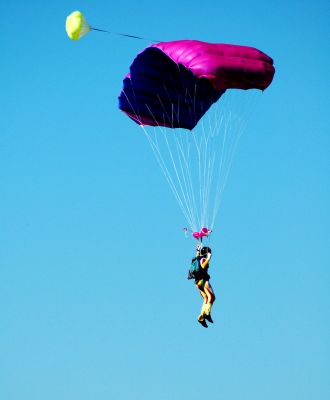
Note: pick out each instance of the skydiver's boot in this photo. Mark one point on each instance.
(207, 314)
(203, 312)
(202, 322)
(201, 317)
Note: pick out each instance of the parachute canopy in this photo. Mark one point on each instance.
(173, 84)
(76, 25)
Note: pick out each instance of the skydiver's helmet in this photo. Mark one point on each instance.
(205, 250)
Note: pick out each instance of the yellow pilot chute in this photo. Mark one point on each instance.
(76, 25)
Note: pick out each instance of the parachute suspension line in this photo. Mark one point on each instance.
(184, 197)
(183, 184)
(184, 175)
(180, 196)
(186, 194)
(217, 153)
(200, 173)
(233, 128)
(124, 35)
(183, 200)
(155, 148)
(221, 173)
(184, 157)
(207, 150)
(223, 164)
(184, 160)
(207, 157)
(196, 179)
(204, 183)
(199, 181)
(162, 164)
(162, 105)
(188, 160)
(208, 160)
(209, 167)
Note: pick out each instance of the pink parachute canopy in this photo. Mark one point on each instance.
(226, 66)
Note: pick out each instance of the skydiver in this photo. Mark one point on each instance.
(202, 282)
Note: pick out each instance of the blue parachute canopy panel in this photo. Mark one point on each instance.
(161, 92)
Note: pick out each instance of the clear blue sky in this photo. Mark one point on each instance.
(94, 301)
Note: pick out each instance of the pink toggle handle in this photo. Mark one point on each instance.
(205, 231)
(197, 235)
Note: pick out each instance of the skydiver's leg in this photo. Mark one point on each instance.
(209, 292)
(210, 299)
(201, 317)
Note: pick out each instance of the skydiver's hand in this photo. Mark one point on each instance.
(198, 247)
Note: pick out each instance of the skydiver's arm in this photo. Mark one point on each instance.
(198, 249)
(206, 260)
